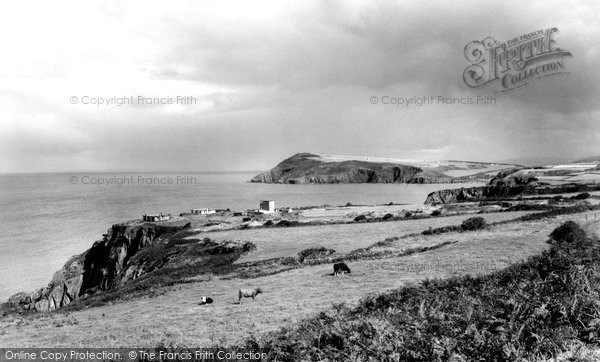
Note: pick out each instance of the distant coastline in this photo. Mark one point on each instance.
(312, 168)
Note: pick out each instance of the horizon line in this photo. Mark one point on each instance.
(126, 171)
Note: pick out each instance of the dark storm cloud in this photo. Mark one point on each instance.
(278, 78)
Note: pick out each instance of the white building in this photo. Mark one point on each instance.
(155, 217)
(267, 207)
(204, 211)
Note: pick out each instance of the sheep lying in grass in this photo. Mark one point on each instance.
(340, 268)
(248, 293)
(206, 300)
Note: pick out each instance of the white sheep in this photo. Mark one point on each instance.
(248, 293)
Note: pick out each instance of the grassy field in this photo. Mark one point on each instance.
(543, 307)
(176, 318)
(274, 242)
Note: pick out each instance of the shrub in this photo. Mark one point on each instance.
(559, 211)
(289, 261)
(582, 196)
(248, 246)
(288, 223)
(473, 223)
(268, 223)
(384, 243)
(360, 218)
(314, 253)
(569, 233)
(387, 217)
(408, 214)
(436, 213)
(441, 230)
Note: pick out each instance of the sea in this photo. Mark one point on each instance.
(47, 217)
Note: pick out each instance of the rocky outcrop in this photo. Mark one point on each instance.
(449, 196)
(514, 177)
(506, 184)
(306, 168)
(482, 193)
(102, 267)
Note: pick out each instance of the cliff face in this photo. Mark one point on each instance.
(456, 195)
(514, 177)
(104, 266)
(507, 183)
(304, 168)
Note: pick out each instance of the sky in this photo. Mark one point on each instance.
(273, 78)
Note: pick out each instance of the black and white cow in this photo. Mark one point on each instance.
(206, 300)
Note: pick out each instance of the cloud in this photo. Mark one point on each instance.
(272, 78)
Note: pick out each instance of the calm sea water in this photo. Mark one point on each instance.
(46, 218)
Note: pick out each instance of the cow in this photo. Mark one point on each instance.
(248, 293)
(206, 300)
(340, 268)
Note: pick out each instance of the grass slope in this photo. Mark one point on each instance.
(530, 310)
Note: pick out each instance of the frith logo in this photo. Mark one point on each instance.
(516, 62)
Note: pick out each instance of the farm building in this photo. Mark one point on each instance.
(155, 217)
(204, 211)
(267, 207)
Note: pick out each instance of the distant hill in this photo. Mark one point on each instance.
(592, 159)
(536, 161)
(304, 168)
(544, 161)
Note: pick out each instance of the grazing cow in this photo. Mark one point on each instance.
(206, 300)
(340, 268)
(248, 293)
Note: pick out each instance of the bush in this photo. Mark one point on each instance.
(583, 196)
(387, 217)
(473, 223)
(408, 214)
(248, 246)
(360, 218)
(569, 233)
(289, 261)
(314, 253)
(384, 243)
(436, 213)
(441, 230)
(559, 211)
(288, 223)
(529, 207)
